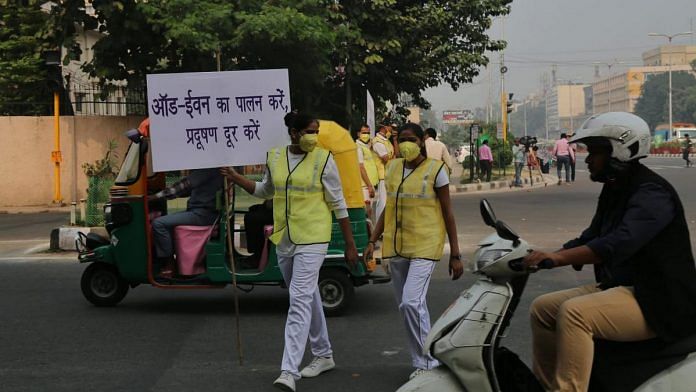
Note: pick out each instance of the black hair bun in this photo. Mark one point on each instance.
(289, 118)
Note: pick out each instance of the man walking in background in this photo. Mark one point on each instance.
(436, 149)
(384, 149)
(518, 158)
(485, 160)
(687, 150)
(564, 155)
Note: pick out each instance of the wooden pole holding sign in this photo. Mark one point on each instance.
(230, 251)
(230, 244)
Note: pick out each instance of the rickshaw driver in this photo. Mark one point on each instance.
(201, 186)
(304, 183)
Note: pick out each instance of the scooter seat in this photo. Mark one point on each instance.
(623, 366)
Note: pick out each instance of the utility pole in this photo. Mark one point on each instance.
(490, 95)
(570, 96)
(669, 40)
(525, 119)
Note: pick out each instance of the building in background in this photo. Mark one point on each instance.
(620, 92)
(566, 107)
(86, 94)
(670, 54)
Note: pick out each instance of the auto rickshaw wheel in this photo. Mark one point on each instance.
(102, 285)
(336, 290)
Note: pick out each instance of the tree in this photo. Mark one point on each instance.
(335, 50)
(23, 73)
(653, 104)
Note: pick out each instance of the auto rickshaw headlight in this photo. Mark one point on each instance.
(117, 215)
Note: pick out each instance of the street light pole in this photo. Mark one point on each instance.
(669, 71)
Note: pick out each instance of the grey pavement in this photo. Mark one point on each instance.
(163, 340)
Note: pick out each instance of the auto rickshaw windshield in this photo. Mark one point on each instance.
(130, 168)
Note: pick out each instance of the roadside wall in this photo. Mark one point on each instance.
(25, 155)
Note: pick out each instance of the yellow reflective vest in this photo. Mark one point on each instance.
(390, 154)
(369, 164)
(413, 224)
(298, 202)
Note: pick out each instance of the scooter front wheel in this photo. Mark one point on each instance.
(102, 285)
(440, 379)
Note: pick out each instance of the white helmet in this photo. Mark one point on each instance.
(629, 134)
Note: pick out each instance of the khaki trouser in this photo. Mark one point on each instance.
(564, 324)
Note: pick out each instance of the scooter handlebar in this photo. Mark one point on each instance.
(518, 265)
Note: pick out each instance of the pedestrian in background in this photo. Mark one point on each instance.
(687, 150)
(303, 181)
(369, 177)
(564, 155)
(436, 149)
(485, 160)
(417, 218)
(384, 151)
(574, 151)
(519, 160)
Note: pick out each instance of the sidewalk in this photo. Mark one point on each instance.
(35, 209)
(539, 181)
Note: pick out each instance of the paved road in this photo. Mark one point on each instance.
(52, 339)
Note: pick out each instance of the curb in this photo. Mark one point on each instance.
(671, 155)
(486, 186)
(63, 238)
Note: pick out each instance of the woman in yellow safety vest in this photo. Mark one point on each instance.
(417, 217)
(303, 182)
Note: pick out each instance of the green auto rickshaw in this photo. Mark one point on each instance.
(125, 259)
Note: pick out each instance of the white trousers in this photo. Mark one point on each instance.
(380, 200)
(410, 279)
(305, 315)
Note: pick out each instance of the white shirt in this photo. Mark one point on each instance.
(333, 194)
(379, 148)
(438, 150)
(361, 156)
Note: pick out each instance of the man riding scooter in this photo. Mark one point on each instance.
(639, 244)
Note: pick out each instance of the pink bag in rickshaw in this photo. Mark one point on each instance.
(189, 242)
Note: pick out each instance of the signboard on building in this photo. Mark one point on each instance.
(213, 119)
(457, 116)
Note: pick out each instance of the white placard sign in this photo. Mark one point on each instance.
(213, 119)
(371, 113)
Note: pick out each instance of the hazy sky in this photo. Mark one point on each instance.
(574, 34)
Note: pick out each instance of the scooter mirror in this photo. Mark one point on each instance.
(133, 135)
(505, 232)
(487, 213)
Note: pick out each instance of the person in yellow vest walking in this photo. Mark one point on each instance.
(369, 174)
(369, 178)
(417, 217)
(305, 186)
(384, 152)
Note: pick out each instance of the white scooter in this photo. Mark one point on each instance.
(466, 338)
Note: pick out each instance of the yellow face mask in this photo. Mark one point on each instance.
(409, 150)
(365, 137)
(308, 142)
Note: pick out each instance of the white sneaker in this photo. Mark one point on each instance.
(318, 366)
(286, 382)
(417, 373)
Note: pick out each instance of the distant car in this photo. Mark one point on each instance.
(461, 153)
